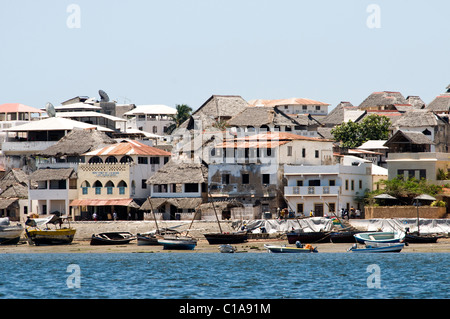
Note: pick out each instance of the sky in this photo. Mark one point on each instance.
(183, 51)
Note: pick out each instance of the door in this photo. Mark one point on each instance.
(318, 210)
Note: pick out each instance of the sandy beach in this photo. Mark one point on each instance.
(81, 243)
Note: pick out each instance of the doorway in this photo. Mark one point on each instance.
(318, 210)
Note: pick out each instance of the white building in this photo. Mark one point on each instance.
(325, 189)
(150, 118)
(294, 105)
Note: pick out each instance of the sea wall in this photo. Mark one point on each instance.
(404, 212)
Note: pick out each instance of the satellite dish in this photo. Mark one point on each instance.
(50, 109)
(104, 96)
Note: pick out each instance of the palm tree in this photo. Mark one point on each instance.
(183, 113)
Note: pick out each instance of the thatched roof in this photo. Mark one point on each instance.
(343, 112)
(179, 172)
(417, 138)
(182, 203)
(419, 118)
(220, 205)
(14, 176)
(262, 115)
(77, 142)
(382, 99)
(52, 174)
(440, 104)
(6, 203)
(18, 190)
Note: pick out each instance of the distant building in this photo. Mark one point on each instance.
(294, 106)
(154, 119)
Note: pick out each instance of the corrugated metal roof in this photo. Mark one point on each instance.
(130, 147)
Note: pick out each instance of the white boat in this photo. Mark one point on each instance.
(298, 249)
(227, 248)
(380, 237)
(9, 234)
(178, 242)
(378, 248)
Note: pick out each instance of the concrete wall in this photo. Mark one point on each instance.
(404, 212)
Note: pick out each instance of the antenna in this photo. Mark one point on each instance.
(104, 97)
(50, 109)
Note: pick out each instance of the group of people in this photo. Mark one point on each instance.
(353, 213)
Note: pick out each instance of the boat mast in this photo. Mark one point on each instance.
(215, 212)
(154, 217)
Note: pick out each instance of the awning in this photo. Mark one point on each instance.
(104, 202)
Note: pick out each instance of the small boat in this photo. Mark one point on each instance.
(344, 236)
(308, 237)
(298, 249)
(414, 238)
(227, 248)
(226, 238)
(380, 237)
(9, 234)
(38, 235)
(378, 248)
(178, 242)
(148, 238)
(112, 238)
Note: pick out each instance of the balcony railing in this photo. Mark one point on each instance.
(311, 190)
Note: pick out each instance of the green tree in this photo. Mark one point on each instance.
(183, 113)
(351, 134)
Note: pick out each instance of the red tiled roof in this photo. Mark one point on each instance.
(17, 107)
(129, 148)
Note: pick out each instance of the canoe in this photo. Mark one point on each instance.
(10, 235)
(421, 239)
(290, 250)
(308, 237)
(62, 236)
(112, 238)
(226, 238)
(178, 243)
(380, 237)
(227, 248)
(378, 248)
(147, 239)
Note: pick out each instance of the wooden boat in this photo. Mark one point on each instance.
(9, 234)
(227, 248)
(308, 237)
(39, 233)
(148, 238)
(178, 242)
(414, 238)
(344, 236)
(112, 238)
(380, 237)
(298, 249)
(378, 248)
(226, 238)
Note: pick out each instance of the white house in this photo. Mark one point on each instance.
(150, 118)
(325, 189)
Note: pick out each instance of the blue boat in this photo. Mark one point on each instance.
(178, 243)
(378, 248)
(380, 237)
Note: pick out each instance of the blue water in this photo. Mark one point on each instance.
(215, 275)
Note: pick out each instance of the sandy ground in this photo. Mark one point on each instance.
(81, 243)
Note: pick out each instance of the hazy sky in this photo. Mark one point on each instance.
(172, 52)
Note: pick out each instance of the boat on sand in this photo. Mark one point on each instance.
(112, 238)
(299, 248)
(380, 237)
(39, 232)
(378, 248)
(9, 234)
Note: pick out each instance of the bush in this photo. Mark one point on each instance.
(438, 203)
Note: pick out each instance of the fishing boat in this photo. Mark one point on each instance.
(226, 238)
(380, 237)
(298, 249)
(38, 231)
(227, 248)
(178, 242)
(308, 237)
(148, 238)
(112, 238)
(9, 234)
(344, 236)
(378, 248)
(417, 238)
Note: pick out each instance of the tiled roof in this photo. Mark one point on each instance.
(129, 148)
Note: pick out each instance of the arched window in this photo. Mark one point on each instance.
(98, 187)
(122, 185)
(85, 187)
(126, 159)
(426, 132)
(109, 187)
(95, 159)
(264, 128)
(111, 159)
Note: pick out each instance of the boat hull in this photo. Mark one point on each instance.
(143, 240)
(112, 238)
(308, 237)
(10, 235)
(288, 250)
(225, 238)
(51, 237)
(417, 239)
(178, 244)
(395, 248)
(227, 248)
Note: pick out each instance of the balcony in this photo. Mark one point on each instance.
(311, 190)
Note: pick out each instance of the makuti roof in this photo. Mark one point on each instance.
(18, 107)
(129, 147)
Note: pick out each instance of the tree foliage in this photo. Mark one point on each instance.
(183, 113)
(373, 127)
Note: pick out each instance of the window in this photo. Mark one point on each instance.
(360, 184)
(109, 187)
(142, 160)
(304, 107)
(303, 152)
(154, 160)
(300, 208)
(126, 159)
(98, 187)
(111, 159)
(155, 129)
(317, 107)
(423, 174)
(289, 151)
(245, 178)
(266, 178)
(352, 185)
(332, 182)
(299, 182)
(226, 179)
(191, 188)
(144, 184)
(316, 154)
(314, 182)
(58, 184)
(331, 207)
(95, 159)
(269, 152)
(122, 185)
(346, 184)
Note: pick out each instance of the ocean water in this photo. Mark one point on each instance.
(223, 276)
